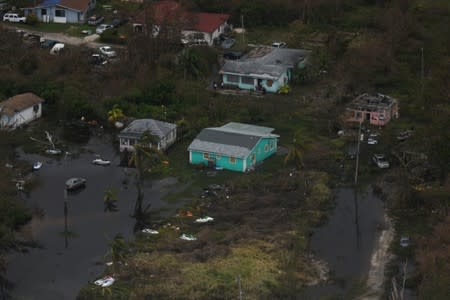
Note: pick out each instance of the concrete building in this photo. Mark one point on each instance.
(19, 110)
(61, 11)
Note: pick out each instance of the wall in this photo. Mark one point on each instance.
(272, 88)
(196, 157)
(24, 117)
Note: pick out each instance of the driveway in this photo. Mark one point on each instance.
(89, 41)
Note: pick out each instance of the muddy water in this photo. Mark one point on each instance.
(62, 266)
(347, 241)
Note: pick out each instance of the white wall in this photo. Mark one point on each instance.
(25, 116)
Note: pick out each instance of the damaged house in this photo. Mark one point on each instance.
(264, 69)
(19, 110)
(376, 109)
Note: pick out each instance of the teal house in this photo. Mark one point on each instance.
(263, 68)
(234, 146)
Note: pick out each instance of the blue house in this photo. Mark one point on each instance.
(234, 146)
(263, 68)
(61, 11)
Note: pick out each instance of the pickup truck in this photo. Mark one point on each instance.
(95, 20)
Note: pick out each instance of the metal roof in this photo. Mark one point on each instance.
(18, 103)
(232, 139)
(138, 127)
(266, 62)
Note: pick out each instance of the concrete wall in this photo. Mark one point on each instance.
(271, 86)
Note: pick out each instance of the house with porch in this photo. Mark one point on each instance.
(233, 146)
(376, 109)
(19, 110)
(263, 69)
(165, 133)
(191, 26)
(61, 11)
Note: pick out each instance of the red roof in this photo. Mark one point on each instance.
(207, 22)
(168, 11)
(80, 5)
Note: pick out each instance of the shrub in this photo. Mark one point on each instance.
(32, 19)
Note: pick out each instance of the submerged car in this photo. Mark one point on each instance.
(105, 281)
(75, 183)
(279, 45)
(233, 55)
(100, 29)
(380, 161)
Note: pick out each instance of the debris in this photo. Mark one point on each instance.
(188, 237)
(105, 281)
(110, 263)
(185, 213)
(149, 231)
(101, 162)
(404, 241)
(204, 220)
(9, 166)
(37, 165)
(53, 151)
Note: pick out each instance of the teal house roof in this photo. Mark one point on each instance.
(232, 139)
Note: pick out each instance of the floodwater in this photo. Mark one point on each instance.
(60, 267)
(347, 241)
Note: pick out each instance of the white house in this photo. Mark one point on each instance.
(165, 132)
(19, 110)
(61, 11)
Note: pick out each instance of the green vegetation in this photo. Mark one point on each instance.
(264, 219)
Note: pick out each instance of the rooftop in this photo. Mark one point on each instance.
(232, 139)
(369, 102)
(138, 127)
(266, 62)
(18, 103)
(79, 5)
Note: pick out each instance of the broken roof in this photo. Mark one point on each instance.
(18, 103)
(206, 22)
(232, 139)
(265, 62)
(367, 102)
(138, 127)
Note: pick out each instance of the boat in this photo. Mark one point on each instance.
(105, 281)
(204, 220)
(101, 162)
(74, 183)
(188, 237)
(53, 151)
(37, 165)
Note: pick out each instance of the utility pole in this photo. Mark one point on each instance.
(422, 75)
(239, 286)
(357, 154)
(243, 29)
(65, 219)
(405, 265)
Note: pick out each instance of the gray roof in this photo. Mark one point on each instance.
(138, 127)
(232, 139)
(265, 62)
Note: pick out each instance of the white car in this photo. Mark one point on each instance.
(107, 51)
(100, 29)
(57, 48)
(380, 161)
(105, 281)
(15, 18)
(279, 45)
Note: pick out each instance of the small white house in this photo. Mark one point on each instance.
(19, 110)
(131, 135)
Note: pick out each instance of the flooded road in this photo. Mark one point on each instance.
(347, 243)
(62, 266)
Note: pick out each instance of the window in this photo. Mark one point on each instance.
(266, 147)
(232, 78)
(217, 157)
(35, 108)
(206, 156)
(44, 11)
(272, 145)
(269, 82)
(247, 80)
(232, 160)
(60, 13)
(381, 117)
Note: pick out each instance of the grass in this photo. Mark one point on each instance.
(69, 29)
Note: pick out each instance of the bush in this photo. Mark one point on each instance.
(32, 19)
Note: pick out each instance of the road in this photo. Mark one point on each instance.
(88, 41)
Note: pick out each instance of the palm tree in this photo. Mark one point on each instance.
(109, 200)
(115, 114)
(146, 158)
(295, 156)
(117, 249)
(190, 63)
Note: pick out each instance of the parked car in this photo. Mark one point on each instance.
(404, 241)
(95, 20)
(404, 135)
(117, 22)
(380, 161)
(107, 51)
(14, 18)
(279, 45)
(97, 59)
(57, 48)
(227, 43)
(351, 150)
(75, 183)
(372, 139)
(48, 43)
(233, 55)
(100, 29)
